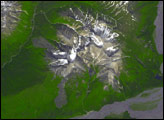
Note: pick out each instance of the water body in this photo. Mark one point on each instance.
(159, 28)
(158, 77)
(120, 107)
(159, 31)
(156, 94)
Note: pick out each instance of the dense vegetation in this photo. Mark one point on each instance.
(28, 87)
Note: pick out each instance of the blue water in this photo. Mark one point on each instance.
(158, 77)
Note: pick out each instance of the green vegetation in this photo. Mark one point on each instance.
(145, 94)
(11, 44)
(124, 115)
(27, 69)
(148, 94)
(28, 87)
(31, 102)
(143, 106)
(143, 62)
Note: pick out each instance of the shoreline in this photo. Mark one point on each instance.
(124, 105)
(159, 31)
